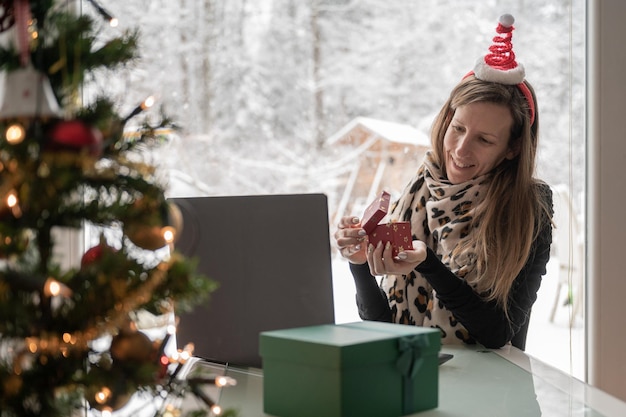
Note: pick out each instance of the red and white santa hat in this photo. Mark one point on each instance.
(500, 65)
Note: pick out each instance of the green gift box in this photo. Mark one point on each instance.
(350, 370)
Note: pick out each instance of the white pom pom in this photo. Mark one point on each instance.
(507, 20)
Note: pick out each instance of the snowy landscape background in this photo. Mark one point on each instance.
(258, 86)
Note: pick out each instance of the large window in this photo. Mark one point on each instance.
(282, 96)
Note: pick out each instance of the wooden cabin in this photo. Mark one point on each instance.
(382, 155)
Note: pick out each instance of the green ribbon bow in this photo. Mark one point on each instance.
(409, 363)
(410, 359)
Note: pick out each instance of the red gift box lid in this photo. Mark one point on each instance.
(375, 212)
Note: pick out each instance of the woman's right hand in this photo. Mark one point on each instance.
(351, 240)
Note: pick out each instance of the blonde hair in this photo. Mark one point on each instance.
(502, 239)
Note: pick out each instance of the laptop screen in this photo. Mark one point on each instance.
(270, 255)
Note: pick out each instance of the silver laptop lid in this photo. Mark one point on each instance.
(270, 255)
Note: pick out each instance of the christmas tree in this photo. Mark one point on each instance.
(71, 163)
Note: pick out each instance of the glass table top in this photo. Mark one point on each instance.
(475, 382)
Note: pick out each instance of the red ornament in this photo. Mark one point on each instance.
(75, 135)
(94, 254)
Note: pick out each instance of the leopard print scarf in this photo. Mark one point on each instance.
(440, 214)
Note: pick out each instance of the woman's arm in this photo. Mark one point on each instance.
(371, 301)
(484, 320)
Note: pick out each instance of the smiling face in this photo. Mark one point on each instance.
(477, 140)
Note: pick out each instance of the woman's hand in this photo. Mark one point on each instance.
(351, 239)
(382, 262)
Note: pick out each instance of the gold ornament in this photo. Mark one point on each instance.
(146, 237)
(132, 346)
(159, 231)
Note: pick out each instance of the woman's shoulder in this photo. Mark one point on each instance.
(545, 208)
(543, 191)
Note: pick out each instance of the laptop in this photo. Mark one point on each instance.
(270, 255)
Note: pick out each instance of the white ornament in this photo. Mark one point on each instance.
(28, 93)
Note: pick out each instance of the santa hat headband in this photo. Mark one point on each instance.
(500, 66)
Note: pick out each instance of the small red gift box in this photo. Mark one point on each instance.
(398, 233)
(375, 212)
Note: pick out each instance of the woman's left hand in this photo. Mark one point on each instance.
(381, 261)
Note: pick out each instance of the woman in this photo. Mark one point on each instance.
(481, 223)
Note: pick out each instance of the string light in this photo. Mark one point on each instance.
(103, 395)
(169, 234)
(146, 104)
(12, 199)
(15, 134)
(32, 346)
(113, 22)
(53, 288)
(32, 28)
(69, 339)
(171, 411)
(12, 203)
(219, 381)
(224, 381)
(187, 352)
(181, 357)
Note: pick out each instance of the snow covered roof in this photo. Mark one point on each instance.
(390, 131)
